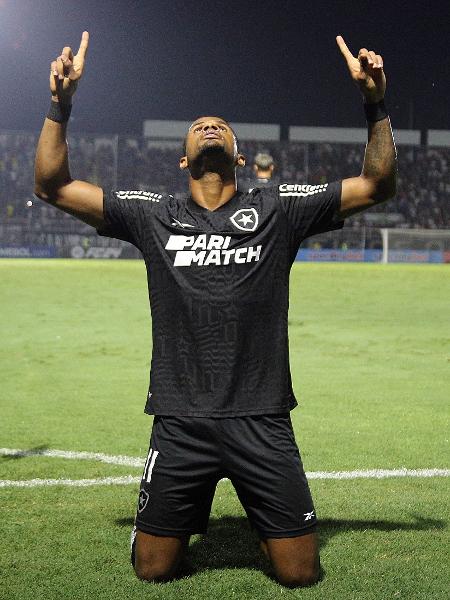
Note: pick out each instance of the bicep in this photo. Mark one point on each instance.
(358, 193)
(82, 200)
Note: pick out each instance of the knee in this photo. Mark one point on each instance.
(156, 558)
(155, 572)
(299, 578)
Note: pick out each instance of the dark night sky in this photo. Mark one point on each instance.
(274, 62)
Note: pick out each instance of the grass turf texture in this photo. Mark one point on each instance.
(369, 363)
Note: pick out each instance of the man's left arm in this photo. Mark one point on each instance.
(377, 182)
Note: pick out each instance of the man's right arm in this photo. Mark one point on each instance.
(53, 182)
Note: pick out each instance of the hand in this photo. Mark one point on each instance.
(366, 71)
(66, 70)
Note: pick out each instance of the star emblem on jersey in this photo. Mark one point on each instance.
(142, 501)
(245, 219)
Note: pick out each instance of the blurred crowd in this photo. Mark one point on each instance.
(120, 162)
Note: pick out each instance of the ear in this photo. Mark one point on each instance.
(183, 162)
(272, 167)
(240, 160)
(255, 168)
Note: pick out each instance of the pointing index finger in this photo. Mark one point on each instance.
(84, 44)
(343, 47)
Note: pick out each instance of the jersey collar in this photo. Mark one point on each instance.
(232, 202)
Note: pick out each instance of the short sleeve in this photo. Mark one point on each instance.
(125, 214)
(311, 209)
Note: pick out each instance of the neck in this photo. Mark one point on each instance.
(212, 190)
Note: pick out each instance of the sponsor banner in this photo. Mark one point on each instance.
(402, 256)
(27, 251)
(330, 255)
(416, 256)
(95, 252)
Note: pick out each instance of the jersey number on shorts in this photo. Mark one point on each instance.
(149, 464)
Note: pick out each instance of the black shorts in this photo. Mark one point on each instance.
(189, 455)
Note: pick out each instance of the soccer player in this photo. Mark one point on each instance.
(218, 265)
(263, 168)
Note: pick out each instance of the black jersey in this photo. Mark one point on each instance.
(219, 292)
(261, 183)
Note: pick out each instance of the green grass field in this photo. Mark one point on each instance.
(370, 364)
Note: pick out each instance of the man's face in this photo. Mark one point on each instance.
(208, 136)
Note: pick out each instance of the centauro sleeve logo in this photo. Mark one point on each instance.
(299, 190)
(204, 250)
(138, 195)
(245, 219)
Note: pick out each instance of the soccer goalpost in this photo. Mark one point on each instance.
(398, 242)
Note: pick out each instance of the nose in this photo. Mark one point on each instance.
(210, 125)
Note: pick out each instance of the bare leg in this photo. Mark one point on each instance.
(157, 557)
(295, 560)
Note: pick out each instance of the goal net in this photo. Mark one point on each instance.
(415, 245)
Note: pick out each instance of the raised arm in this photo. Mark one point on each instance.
(53, 182)
(377, 182)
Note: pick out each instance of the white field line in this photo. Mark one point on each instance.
(378, 474)
(126, 480)
(127, 461)
(138, 462)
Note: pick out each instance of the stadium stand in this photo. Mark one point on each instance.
(124, 162)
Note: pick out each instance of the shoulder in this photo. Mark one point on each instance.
(138, 200)
(260, 195)
(288, 191)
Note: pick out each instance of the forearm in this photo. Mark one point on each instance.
(52, 161)
(53, 182)
(380, 160)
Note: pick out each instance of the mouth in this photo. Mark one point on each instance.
(211, 136)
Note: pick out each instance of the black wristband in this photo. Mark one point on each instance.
(375, 112)
(59, 112)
